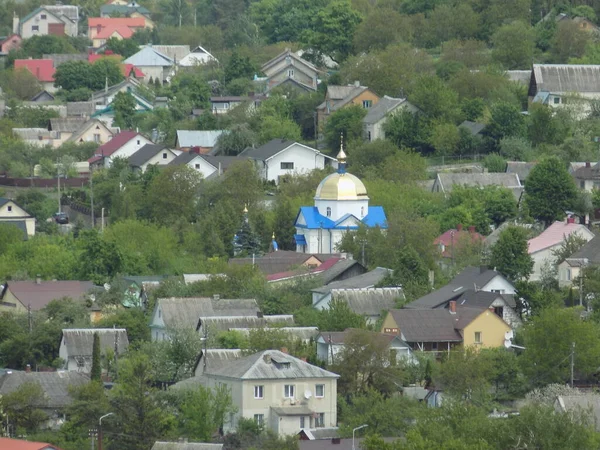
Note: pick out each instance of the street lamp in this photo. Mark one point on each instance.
(353, 431)
(100, 429)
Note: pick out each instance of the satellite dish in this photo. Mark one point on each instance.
(509, 335)
(507, 343)
(307, 394)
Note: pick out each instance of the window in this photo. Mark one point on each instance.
(259, 419)
(478, 337)
(302, 421)
(390, 330)
(582, 184)
(35, 28)
(328, 211)
(259, 392)
(165, 155)
(320, 420)
(138, 142)
(556, 100)
(159, 313)
(498, 291)
(291, 73)
(287, 166)
(367, 103)
(499, 310)
(568, 274)
(288, 391)
(434, 346)
(320, 390)
(10, 209)
(43, 17)
(97, 138)
(369, 136)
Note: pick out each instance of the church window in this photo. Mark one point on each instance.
(328, 211)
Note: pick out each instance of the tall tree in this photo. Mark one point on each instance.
(513, 45)
(124, 109)
(510, 254)
(96, 372)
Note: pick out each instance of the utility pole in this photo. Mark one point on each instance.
(58, 178)
(204, 345)
(30, 318)
(581, 286)
(92, 434)
(572, 362)
(92, 195)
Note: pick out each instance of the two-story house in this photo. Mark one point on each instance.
(570, 269)
(338, 97)
(377, 115)
(122, 145)
(101, 29)
(288, 69)
(57, 20)
(77, 345)
(155, 64)
(278, 391)
(587, 175)
(92, 131)
(279, 157)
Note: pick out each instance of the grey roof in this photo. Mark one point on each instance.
(519, 76)
(60, 58)
(54, 384)
(473, 127)
(283, 55)
(582, 402)
(67, 124)
(589, 171)
(185, 312)
(184, 158)
(198, 138)
(364, 281)
(160, 445)
(339, 337)
(43, 96)
(567, 77)
(370, 301)
(33, 134)
(270, 365)
(174, 52)
(80, 109)
(433, 325)
(279, 261)
(80, 341)
(320, 433)
(190, 383)
(448, 180)
(69, 11)
(225, 323)
(148, 151)
(302, 333)
(590, 251)
(338, 269)
(339, 92)
(521, 168)
(149, 57)
(215, 358)
(482, 299)
(469, 278)
(269, 149)
(384, 106)
(221, 160)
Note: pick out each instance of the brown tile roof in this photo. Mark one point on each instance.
(39, 295)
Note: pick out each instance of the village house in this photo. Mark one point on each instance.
(280, 392)
(36, 137)
(570, 269)
(42, 69)
(445, 182)
(122, 145)
(21, 296)
(18, 444)
(520, 168)
(214, 325)
(201, 140)
(378, 115)
(151, 155)
(541, 247)
(207, 165)
(196, 57)
(587, 175)
(338, 97)
(451, 242)
(77, 344)
(57, 20)
(154, 64)
(306, 335)
(289, 70)
(92, 131)
(222, 105)
(13, 214)
(336, 268)
(100, 29)
(65, 127)
(8, 43)
(279, 157)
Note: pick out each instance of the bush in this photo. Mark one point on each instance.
(494, 163)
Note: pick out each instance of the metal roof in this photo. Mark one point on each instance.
(144, 154)
(160, 445)
(270, 365)
(149, 57)
(38, 295)
(368, 302)
(80, 341)
(198, 138)
(448, 180)
(302, 333)
(556, 78)
(383, 107)
(364, 281)
(555, 234)
(226, 323)
(521, 168)
(67, 124)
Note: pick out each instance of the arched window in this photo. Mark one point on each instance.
(328, 211)
(362, 211)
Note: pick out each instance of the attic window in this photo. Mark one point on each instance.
(165, 155)
(281, 364)
(97, 127)
(10, 209)
(43, 17)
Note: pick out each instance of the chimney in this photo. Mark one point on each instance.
(588, 164)
(284, 350)
(459, 227)
(38, 279)
(216, 296)
(570, 219)
(357, 83)
(452, 306)
(28, 368)
(471, 229)
(15, 23)
(267, 358)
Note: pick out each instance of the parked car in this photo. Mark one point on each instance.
(61, 218)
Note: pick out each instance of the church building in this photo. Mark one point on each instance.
(341, 204)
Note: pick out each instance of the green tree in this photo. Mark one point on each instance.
(570, 41)
(381, 28)
(123, 47)
(409, 130)
(204, 411)
(506, 120)
(96, 372)
(513, 45)
(510, 254)
(550, 191)
(346, 122)
(124, 108)
(100, 260)
(435, 99)
(465, 374)
(236, 140)
(238, 67)
(24, 406)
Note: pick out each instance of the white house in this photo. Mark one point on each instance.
(151, 155)
(13, 214)
(77, 344)
(281, 157)
(154, 64)
(207, 165)
(542, 246)
(377, 115)
(341, 204)
(122, 145)
(197, 57)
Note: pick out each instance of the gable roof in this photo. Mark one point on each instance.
(199, 55)
(304, 271)
(555, 234)
(384, 106)
(590, 251)
(521, 168)
(38, 295)
(117, 141)
(184, 158)
(174, 52)
(80, 341)
(270, 365)
(66, 124)
(455, 237)
(370, 301)
(70, 12)
(160, 445)
(283, 55)
(272, 148)
(54, 384)
(216, 324)
(217, 357)
(588, 171)
(149, 57)
(85, 109)
(482, 299)
(198, 138)
(469, 278)
(364, 281)
(42, 96)
(281, 260)
(38, 10)
(113, 22)
(18, 444)
(566, 78)
(185, 311)
(42, 69)
(145, 153)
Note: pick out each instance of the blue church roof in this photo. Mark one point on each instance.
(314, 220)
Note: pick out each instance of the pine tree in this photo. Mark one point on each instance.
(96, 373)
(246, 241)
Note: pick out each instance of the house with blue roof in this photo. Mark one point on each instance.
(341, 204)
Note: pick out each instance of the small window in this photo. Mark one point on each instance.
(291, 73)
(320, 390)
(556, 100)
(139, 142)
(320, 420)
(367, 103)
(197, 166)
(369, 136)
(287, 166)
(434, 346)
(582, 184)
(328, 211)
(259, 392)
(165, 155)
(259, 419)
(568, 274)
(225, 105)
(478, 337)
(498, 291)
(302, 422)
(288, 391)
(35, 28)
(97, 138)
(10, 209)
(43, 17)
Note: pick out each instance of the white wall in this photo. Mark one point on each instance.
(200, 165)
(10, 212)
(36, 20)
(339, 208)
(319, 241)
(498, 283)
(162, 158)
(305, 159)
(128, 149)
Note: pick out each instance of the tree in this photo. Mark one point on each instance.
(465, 373)
(381, 28)
(123, 47)
(19, 83)
(570, 41)
(510, 254)
(549, 341)
(23, 407)
(238, 67)
(513, 45)
(346, 122)
(124, 107)
(550, 191)
(100, 260)
(435, 99)
(246, 241)
(236, 140)
(506, 120)
(96, 372)
(408, 130)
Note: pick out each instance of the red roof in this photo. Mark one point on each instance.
(42, 69)
(118, 141)
(17, 444)
(127, 68)
(114, 22)
(454, 236)
(327, 264)
(122, 30)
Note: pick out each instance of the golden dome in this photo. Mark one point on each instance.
(341, 186)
